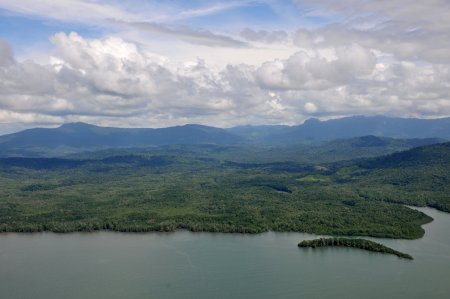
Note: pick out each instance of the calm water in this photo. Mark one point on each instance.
(203, 265)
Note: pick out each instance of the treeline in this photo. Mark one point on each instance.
(353, 243)
(60, 163)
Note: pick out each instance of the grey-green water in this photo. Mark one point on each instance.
(204, 265)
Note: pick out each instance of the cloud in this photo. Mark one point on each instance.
(107, 15)
(98, 11)
(400, 14)
(22, 84)
(409, 30)
(188, 34)
(310, 107)
(315, 71)
(6, 54)
(68, 10)
(111, 81)
(265, 36)
(329, 71)
(208, 10)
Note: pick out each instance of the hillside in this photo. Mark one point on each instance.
(419, 176)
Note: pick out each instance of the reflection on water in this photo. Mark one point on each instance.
(204, 265)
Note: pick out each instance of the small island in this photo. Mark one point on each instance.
(354, 243)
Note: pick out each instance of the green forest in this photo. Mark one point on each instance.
(212, 188)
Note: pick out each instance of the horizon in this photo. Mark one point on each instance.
(219, 63)
(55, 126)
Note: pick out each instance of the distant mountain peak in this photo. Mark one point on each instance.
(193, 126)
(311, 121)
(76, 125)
(83, 135)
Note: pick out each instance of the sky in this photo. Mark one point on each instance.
(147, 63)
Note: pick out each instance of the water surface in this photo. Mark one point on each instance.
(204, 265)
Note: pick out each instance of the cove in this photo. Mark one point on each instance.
(213, 265)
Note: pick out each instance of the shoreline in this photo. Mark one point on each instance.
(144, 231)
(357, 243)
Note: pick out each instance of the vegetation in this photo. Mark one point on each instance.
(195, 188)
(354, 243)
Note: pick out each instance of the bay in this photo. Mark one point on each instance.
(213, 265)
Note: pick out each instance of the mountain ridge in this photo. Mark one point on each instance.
(87, 135)
(348, 127)
(83, 135)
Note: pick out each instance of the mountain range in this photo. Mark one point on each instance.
(348, 127)
(81, 135)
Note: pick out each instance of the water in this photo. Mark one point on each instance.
(204, 265)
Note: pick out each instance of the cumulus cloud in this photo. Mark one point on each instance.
(121, 83)
(24, 86)
(305, 70)
(364, 57)
(331, 71)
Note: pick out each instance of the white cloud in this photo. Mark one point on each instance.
(310, 107)
(411, 30)
(278, 36)
(99, 11)
(360, 66)
(149, 17)
(68, 10)
(207, 11)
(188, 34)
(6, 55)
(314, 70)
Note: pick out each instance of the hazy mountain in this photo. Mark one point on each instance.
(258, 133)
(73, 137)
(81, 135)
(348, 127)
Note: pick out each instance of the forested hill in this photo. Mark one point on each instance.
(419, 176)
(429, 156)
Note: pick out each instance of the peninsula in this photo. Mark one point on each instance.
(354, 243)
